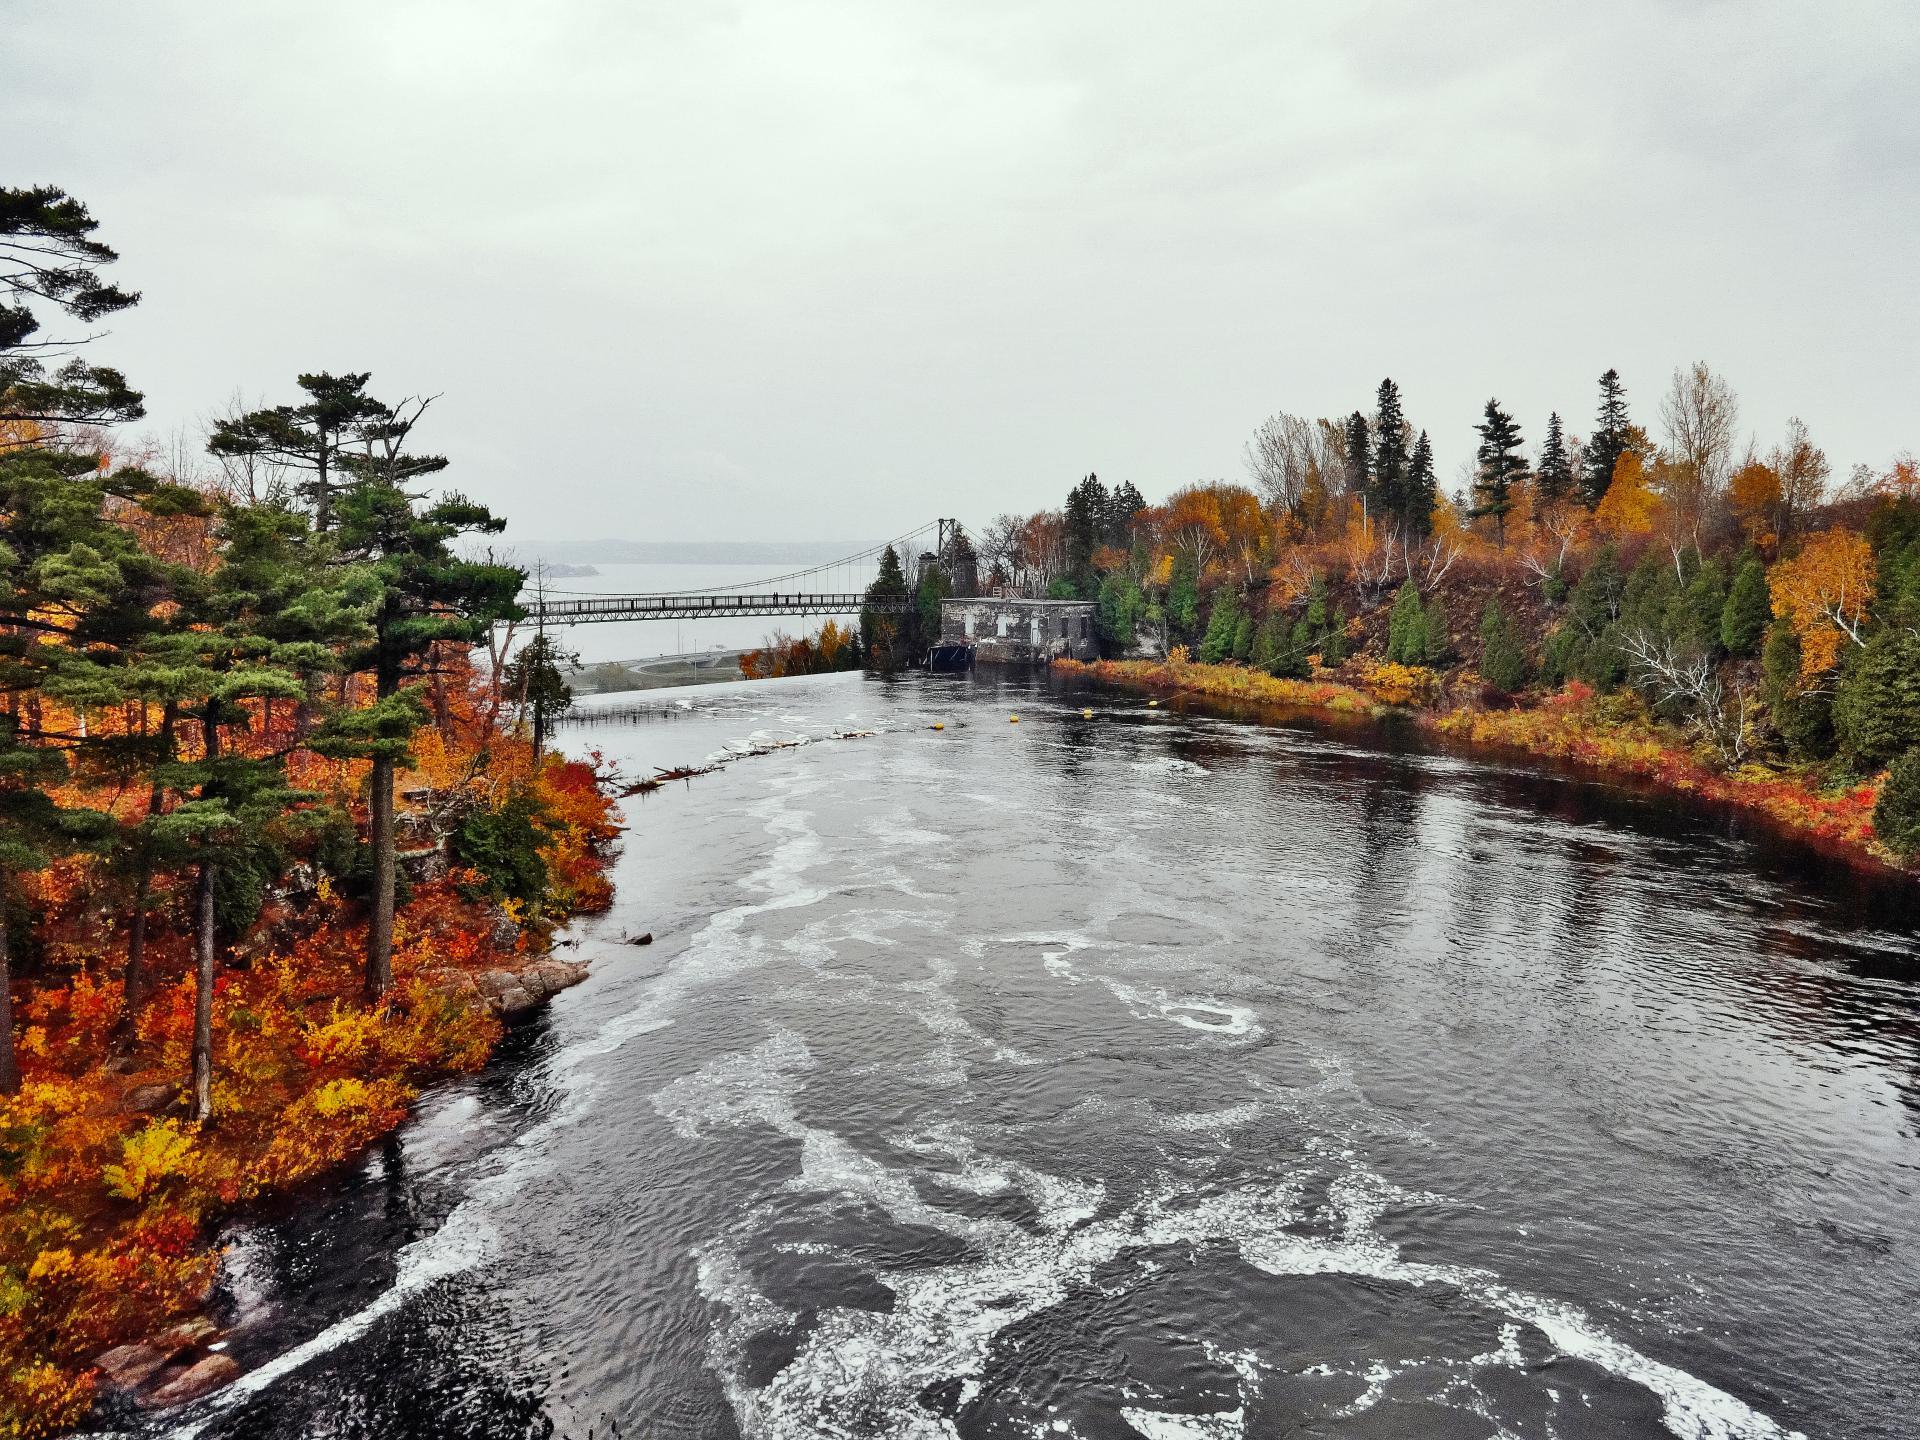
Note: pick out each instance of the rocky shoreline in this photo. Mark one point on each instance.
(186, 1361)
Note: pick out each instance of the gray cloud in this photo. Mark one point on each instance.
(823, 269)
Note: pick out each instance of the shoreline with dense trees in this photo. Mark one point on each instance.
(274, 850)
(1712, 615)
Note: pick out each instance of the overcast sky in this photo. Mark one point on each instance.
(803, 270)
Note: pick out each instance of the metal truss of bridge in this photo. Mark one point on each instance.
(836, 588)
(704, 607)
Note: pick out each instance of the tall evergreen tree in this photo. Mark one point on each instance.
(48, 257)
(1087, 515)
(1423, 488)
(337, 424)
(881, 629)
(1390, 460)
(1503, 664)
(1358, 448)
(423, 596)
(537, 677)
(1500, 465)
(1123, 503)
(1611, 435)
(1407, 628)
(1743, 620)
(1556, 469)
(1223, 621)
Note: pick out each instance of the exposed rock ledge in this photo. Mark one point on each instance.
(509, 990)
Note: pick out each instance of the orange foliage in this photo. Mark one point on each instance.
(1754, 495)
(1823, 594)
(1630, 505)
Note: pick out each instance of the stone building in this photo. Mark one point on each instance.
(1007, 631)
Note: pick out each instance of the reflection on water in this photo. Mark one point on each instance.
(1153, 1075)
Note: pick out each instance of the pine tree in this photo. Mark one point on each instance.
(1705, 602)
(1183, 598)
(1610, 439)
(1317, 603)
(1243, 638)
(423, 595)
(1743, 620)
(48, 256)
(1268, 641)
(77, 592)
(1500, 465)
(1390, 465)
(337, 424)
(1556, 470)
(1503, 664)
(1423, 488)
(1359, 457)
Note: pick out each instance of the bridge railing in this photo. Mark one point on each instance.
(588, 610)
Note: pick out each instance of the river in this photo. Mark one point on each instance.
(1156, 1074)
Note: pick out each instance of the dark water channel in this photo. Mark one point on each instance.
(1153, 1075)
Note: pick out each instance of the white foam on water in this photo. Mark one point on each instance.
(1161, 1425)
(467, 1237)
(945, 1320)
(1153, 1002)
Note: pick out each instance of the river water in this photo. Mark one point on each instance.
(1157, 1075)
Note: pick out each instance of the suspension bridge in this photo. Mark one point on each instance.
(835, 588)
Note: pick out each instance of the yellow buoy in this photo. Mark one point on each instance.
(1013, 719)
(1152, 704)
(938, 725)
(1086, 714)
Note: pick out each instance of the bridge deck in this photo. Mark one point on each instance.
(704, 607)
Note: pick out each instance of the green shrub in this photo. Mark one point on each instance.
(1896, 816)
(504, 846)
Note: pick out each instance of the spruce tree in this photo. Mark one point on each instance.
(1359, 458)
(1087, 519)
(1743, 620)
(537, 679)
(1222, 622)
(1610, 438)
(1555, 475)
(1317, 603)
(1243, 638)
(1124, 502)
(1438, 639)
(1876, 706)
(1389, 471)
(1423, 488)
(1896, 814)
(880, 629)
(1183, 598)
(1500, 465)
(1503, 664)
(1407, 627)
(1333, 648)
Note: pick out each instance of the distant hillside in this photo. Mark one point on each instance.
(686, 552)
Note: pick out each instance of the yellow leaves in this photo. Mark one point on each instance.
(345, 1039)
(1401, 684)
(1823, 594)
(1630, 505)
(147, 1157)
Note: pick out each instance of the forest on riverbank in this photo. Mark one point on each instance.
(1720, 610)
(272, 844)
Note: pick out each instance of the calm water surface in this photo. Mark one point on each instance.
(1152, 1075)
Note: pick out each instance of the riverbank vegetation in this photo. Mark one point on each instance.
(262, 819)
(1708, 612)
